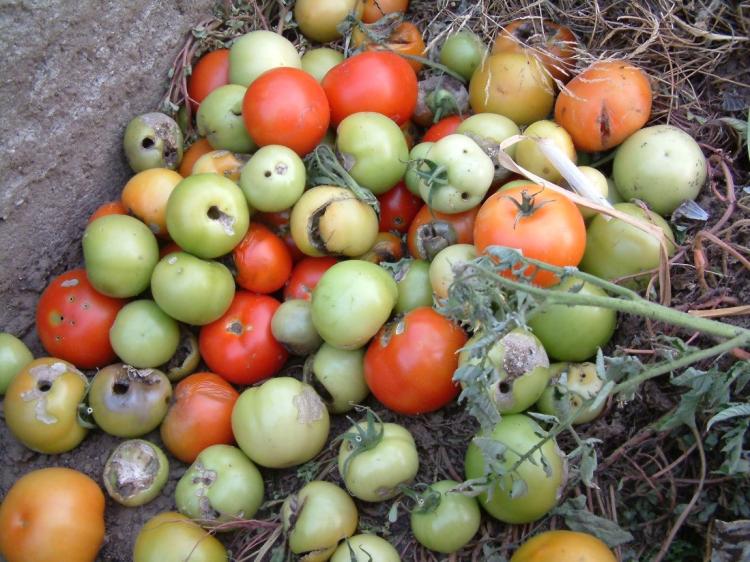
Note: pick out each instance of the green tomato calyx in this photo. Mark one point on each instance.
(362, 439)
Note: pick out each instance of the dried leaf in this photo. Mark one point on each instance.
(578, 518)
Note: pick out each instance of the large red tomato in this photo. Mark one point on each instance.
(306, 275)
(262, 260)
(409, 364)
(73, 320)
(52, 514)
(240, 346)
(200, 416)
(378, 81)
(209, 73)
(286, 106)
(398, 206)
(543, 224)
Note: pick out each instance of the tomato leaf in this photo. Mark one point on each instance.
(578, 518)
(732, 411)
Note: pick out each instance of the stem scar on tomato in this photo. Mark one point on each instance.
(527, 206)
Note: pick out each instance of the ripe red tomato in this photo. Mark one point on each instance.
(431, 231)
(262, 260)
(409, 364)
(200, 416)
(239, 346)
(73, 321)
(286, 106)
(306, 275)
(442, 128)
(398, 206)
(109, 208)
(550, 228)
(210, 72)
(378, 81)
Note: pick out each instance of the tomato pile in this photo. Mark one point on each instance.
(306, 224)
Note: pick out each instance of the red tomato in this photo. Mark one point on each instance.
(73, 321)
(239, 346)
(306, 275)
(378, 81)
(409, 364)
(279, 225)
(443, 128)
(549, 228)
(262, 260)
(200, 416)
(286, 106)
(398, 206)
(210, 72)
(431, 231)
(109, 208)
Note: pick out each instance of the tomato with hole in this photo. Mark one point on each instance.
(305, 276)
(240, 346)
(146, 194)
(377, 81)
(431, 231)
(543, 224)
(73, 320)
(52, 511)
(446, 126)
(398, 207)
(286, 106)
(376, 9)
(200, 416)
(262, 260)
(403, 39)
(210, 72)
(109, 208)
(191, 156)
(409, 364)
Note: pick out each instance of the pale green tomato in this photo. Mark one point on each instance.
(488, 130)
(281, 423)
(135, 472)
(14, 356)
(520, 366)
(365, 548)
(319, 20)
(599, 182)
(143, 336)
(414, 286)
(463, 52)
(316, 518)
(467, 174)
(571, 384)
(172, 537)
(613, 196)
(529, 156)
(153, 140)
(220, 486)
(255, 52)
(660, 165)
(219, 119)
(340, 377)
(273, 179)
(411, 179)
(442, 272)
(511, 501)
(317, 62)
(292, 327)
(373, 150)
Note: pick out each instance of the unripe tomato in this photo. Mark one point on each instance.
(258, 51)
(146, 195)
(135, 472)
(172, 537)
(365, 548)
(14, 356)
(318, 19)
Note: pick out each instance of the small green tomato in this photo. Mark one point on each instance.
(599, 182)
(273, 179)
(365, 548)
(411, 177)
(339, 377)
(293, 328)
(219, 119)
(135, 472)
(317, 62)
(153, 140)
(414, 285)
(463, 52)
(255, 52)
(529, 156)
(442, 272)
(14, 356)
(489, 130)
(143, 336)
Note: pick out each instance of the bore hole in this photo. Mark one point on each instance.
(44, 386)
(235, 328)
(267, 173)
(504, 387)
(213, 212)
(71, 298)
(147, 143)
(464, 196)
(120, 387)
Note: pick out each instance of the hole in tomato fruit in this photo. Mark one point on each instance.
(504, 387)
(44, 386)
(120, 387)
(235, 328)
(267, 173)
(226, 221)
(464, 196)
(147, 143)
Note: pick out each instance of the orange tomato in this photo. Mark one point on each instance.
(220, 162)
(376, 9)
(387, 248)
(563, 546)
(431, 231)
(200, 416)
(196, 150)
(543, 224)
(404, 39)
(146, 195)
(50, 515)
(109, 208)
(604, 105)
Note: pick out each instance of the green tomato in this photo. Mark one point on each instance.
(192, 290)
(281, 423)
(489, 130)
(135, 472)
(129, 402)
(466, 176)
(255, 52)
(373, 150)
(463, 52)
(14, 356)
(153, 140)
(660, 165)
(219, 120)
(520, 369)
(414, 285)
(599, 182)
(340, 377)
(376, 458)
(616, 249)
(221, 485)
(571, 385)
(317, 62)
(528, 493)
(143, 336)
(442, 272)
(292, 327)
(172, 537)
(529, 156)
(365, 548)
(120, 253)
(207, 215)
(445, 521)
(411, 178)
(273, 179)
(350, 303)
(316, 518)
(574, 333)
